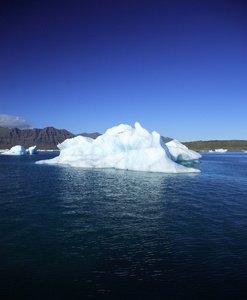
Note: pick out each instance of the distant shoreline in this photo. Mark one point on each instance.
(230, 145)
(49, 137)
(199, 146)
(38, 149)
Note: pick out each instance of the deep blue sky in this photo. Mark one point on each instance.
(177, 67)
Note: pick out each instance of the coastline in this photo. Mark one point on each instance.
(198, 146)
(230, 145)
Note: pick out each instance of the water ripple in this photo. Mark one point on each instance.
(122, 235)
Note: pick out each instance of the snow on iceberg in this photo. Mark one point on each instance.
(180, 152)
(121, 147)
(16, 150)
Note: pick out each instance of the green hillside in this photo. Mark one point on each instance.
(231, 145)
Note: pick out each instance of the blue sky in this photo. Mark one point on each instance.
(177, 67)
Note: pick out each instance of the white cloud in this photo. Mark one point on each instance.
(13, 122)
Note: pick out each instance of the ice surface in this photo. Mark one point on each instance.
(121, 147)
(180, 152)
(16, 150)
(3, 150)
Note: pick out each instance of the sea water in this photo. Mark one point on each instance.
(71, 233)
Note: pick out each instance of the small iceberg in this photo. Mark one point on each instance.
(16, 150)
(221, 150)
(32, 150)
(20, 150)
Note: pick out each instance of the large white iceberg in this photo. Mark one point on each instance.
(16, 150)
(180, 152)
(121, 147)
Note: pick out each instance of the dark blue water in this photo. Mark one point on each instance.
(69, 233)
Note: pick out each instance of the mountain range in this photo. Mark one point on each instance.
(50, 137)
(47, 138)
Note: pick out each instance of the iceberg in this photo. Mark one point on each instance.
(180, 152)
(32, 150)
(16, 150)
(19, 150)
(221, 150)
(120, 147)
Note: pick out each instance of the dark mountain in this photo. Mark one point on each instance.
(166, 139)
(47, 138)
(93, 135)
